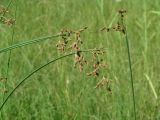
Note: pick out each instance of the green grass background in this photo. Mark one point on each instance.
(61, 92)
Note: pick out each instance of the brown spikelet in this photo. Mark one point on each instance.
(3, 10)
(104, 82)
(9, 22)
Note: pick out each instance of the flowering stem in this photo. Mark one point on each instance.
(39, 68)
(124, 30)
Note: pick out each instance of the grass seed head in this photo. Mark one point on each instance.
(104, 82)
(9, 21)
(3, 10)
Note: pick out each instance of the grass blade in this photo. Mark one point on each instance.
(25, 43)
(10, 52)
(151, 85)
(155, 12)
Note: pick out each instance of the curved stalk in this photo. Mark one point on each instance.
(36, 70)
(27, 43)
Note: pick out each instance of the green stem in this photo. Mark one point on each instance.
(3, 16)
(131, 73)
(27, 43)
(130, 66)
(10, 52)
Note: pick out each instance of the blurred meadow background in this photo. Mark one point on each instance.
(61, 92)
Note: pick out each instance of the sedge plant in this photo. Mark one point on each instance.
(71, 41)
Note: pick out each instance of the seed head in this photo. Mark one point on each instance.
(9, 22)
(3, 10)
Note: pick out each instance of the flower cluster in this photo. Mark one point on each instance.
(65, 37)
(76, 43)
(79, 60)
(3, 10)
(98, 64)
(104, 82)
(3, 19)
(119, 25)
(72, 40)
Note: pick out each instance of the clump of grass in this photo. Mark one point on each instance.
(75, 43)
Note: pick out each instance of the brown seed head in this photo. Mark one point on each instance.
(3, 10)
(9, 22)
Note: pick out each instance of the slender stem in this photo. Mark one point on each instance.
(3, 16)
(10, 52)
(39, 68)
(33, 41)
(131, 73)
(10, 94)
(27, 43)
(130, 66)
